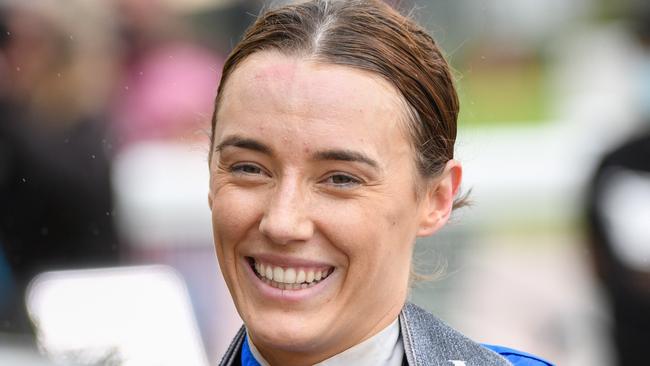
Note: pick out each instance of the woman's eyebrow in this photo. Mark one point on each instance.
(333, 154)
(346, 155)
(243, 143)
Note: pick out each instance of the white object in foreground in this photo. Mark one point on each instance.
(125, 316)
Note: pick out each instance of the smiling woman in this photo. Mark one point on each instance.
(332, 150)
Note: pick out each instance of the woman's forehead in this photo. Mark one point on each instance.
(289, 103)
(271, 80)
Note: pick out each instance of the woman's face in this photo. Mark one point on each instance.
(313, 201)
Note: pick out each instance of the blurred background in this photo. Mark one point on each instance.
(104, 122)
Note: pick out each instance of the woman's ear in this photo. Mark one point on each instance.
(438, 198)
(210, 199)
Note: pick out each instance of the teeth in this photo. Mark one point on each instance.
(289, 275)
(278, 274)
(289, 278)
(300, 278)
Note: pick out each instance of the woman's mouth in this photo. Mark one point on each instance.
(289, 278)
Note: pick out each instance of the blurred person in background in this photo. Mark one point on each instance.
(619, 219)
(56, 71)
(618, 214)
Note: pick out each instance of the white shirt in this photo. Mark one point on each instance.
(383, 349)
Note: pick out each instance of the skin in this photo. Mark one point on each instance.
(313, 164)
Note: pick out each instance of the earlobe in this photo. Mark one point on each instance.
(439, 199)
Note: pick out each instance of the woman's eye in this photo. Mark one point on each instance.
(246, 169)
(342, 180)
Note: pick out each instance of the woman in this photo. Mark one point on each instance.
(332, 150)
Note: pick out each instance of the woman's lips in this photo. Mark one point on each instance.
(285, 277)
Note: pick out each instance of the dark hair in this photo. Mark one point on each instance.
(367, 35)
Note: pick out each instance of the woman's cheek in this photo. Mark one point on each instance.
(348, 226)
(234, 212)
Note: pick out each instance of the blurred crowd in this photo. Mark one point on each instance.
(96, 97)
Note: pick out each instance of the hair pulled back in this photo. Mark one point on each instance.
(367, 35)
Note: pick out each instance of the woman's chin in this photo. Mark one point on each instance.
(288, 335)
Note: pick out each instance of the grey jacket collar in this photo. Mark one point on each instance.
(427, 342)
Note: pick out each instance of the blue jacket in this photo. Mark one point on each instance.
(427, 342)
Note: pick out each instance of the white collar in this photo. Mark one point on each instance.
(383, 349)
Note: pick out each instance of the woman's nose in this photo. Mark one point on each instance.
(286, 218)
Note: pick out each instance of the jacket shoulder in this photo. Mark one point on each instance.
(429, 341)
